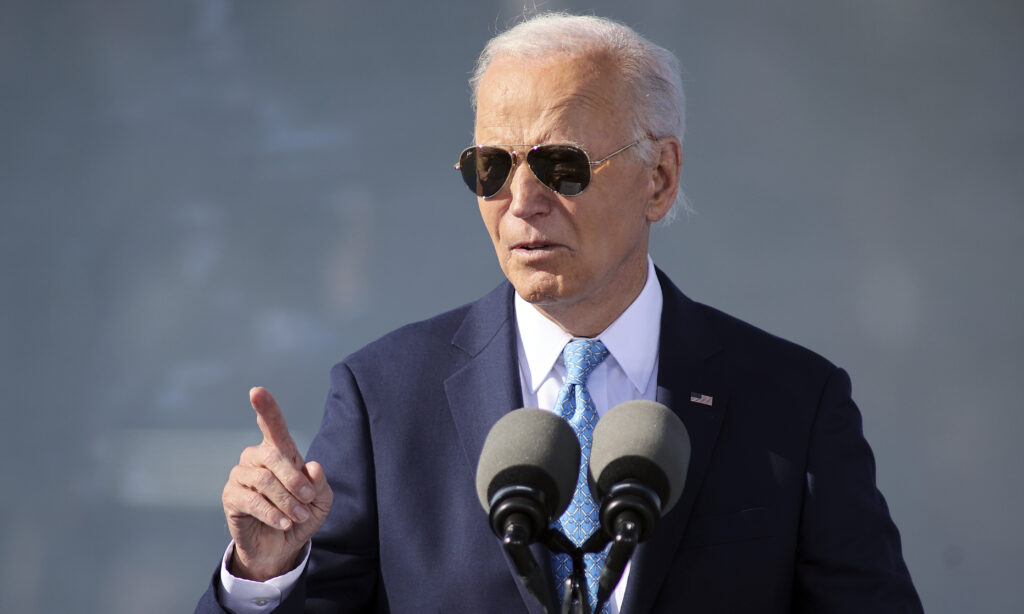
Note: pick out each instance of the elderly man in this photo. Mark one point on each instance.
(578, 130)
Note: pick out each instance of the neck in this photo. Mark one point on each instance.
(590, 318)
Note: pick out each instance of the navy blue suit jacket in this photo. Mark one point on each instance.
(780, 512)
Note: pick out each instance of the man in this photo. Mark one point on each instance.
(578, 130)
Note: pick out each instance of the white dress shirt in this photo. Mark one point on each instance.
(629, 372)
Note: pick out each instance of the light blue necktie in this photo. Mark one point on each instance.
(580, 520)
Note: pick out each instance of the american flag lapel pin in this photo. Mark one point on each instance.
(703, 399)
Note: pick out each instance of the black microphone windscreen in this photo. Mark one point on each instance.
(641, 441)
(530, 447)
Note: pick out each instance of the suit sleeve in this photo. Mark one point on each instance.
(343, 574)
(849, 556)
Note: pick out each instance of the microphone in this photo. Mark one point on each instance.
(638, 463)
(525, 479)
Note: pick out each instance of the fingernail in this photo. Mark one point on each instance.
(285, 524)
(306, 493)
(300, 512)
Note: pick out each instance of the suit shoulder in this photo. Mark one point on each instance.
(746, 343)
(740, 346)
(434, 339)
(430, 335)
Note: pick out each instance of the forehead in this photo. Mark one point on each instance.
(534, 101)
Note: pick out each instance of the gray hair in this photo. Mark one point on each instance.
(651, 72)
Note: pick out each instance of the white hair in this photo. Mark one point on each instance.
(651, 72)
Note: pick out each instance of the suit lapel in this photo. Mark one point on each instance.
(487, 387)
(685, 345)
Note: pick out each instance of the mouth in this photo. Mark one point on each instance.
(536, 253)
(534, 246)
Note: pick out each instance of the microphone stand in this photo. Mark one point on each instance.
(517, 546)
(576, 599)
(627, 535)
(516, 520)
(629, 513)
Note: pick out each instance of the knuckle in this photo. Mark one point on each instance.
(268, 455)
(231, 493)
(235, 500)
(236, 473)
(264, 480)
(248, 455)
(295, 483)
(255, 503)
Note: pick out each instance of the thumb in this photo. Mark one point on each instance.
(324, 496)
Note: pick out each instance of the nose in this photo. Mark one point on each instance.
(528, 196)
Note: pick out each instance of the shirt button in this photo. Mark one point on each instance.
(261, 601)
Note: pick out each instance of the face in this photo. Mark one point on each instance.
(581, 259)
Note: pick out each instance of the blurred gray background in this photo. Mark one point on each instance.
(201, 196)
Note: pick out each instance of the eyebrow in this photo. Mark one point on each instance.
(513, 145)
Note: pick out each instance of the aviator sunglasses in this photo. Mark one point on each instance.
(565, 169)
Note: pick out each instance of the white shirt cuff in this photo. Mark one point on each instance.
(243, 596)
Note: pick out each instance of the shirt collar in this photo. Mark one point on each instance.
(632, 339)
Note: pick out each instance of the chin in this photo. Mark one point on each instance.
(537, 296)
(539, 288)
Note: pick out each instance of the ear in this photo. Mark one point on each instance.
(664, 177)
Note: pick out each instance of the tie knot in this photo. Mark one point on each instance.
(581, 356)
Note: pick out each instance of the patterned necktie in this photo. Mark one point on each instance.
(580, 520)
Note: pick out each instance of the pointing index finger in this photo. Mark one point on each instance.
(272, 424)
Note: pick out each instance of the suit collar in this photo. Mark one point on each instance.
(486, 386)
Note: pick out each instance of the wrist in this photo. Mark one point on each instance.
(261, 569)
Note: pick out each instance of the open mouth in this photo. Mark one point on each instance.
(533, 246)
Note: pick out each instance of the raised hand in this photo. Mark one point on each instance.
(273, 501)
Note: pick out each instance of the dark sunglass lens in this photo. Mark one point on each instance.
(563, 168)
(485, 169)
